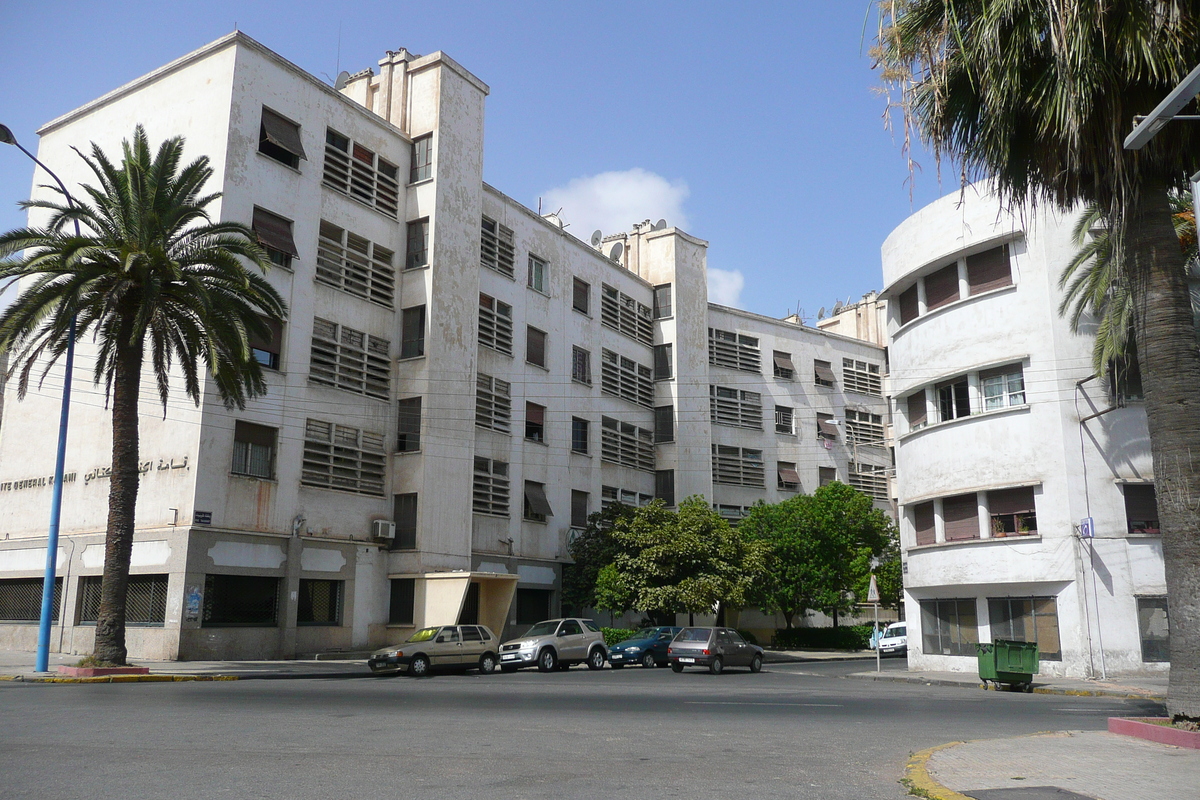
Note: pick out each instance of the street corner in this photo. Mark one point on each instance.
(920, 783)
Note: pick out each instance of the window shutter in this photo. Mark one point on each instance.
(924, 524)
(910, 306)
(960, 515)
(788, 474)
(281, 133)
(253, 434)
(535, 495)
(917, 410)
(826, 427)
(941, 287)
(824, 371)
(272, 341)
(274, 232)
(579, 509)
(1011, 501)
(535, 347)
(784, 361)
(989, 270)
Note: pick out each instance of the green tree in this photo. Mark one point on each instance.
(593, 549)
(151, 279)
(888, 573)
(1040, 96)
(819, 547)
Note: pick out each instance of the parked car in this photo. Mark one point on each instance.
(556, 644)
(894, 640)
(443, 647)
(647, 647)
(714, 648)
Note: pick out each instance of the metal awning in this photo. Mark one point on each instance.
(789, 475)
(784, 362)
(281, 133)
(274, 232)
(824, 373)
(826, 427)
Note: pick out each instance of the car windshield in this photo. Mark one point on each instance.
(693, 635)
(890, 632)
(645, 633)
(543, 628)
(423, 635)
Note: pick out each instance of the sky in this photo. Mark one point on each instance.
(757, 127)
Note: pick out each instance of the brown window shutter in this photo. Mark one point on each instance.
(941, 287)
(823, 371)
(989, 270)
(826, 427)
(960, 517)
(274, 232)
(282, 133)
(789, 475)
(535, 493)
(918, 412)
(275, 337)
(535, 413)
(784, 361)
(253, 434)
(910, 305)
(1011, 501)
(924, 524)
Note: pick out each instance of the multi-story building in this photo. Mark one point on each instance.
(459, 383)
(1005, 443)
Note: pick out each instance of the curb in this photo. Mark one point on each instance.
(1036, 689)
(121, 679)
(920, 783)
(778, 658)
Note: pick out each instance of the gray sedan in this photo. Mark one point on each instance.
(714, 648)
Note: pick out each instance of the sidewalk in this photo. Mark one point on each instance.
(1141, 687)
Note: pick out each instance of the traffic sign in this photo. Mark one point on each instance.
(873, 592)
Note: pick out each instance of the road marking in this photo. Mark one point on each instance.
(740, 703)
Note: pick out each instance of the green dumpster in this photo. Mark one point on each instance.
(1005, 661)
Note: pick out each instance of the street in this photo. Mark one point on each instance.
(795, 730)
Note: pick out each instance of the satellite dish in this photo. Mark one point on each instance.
(597, 235)
(616, 251)
(342, 79)
(658, 226)
(837, 306)
(821, 313)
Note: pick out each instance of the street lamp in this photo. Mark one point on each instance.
(43, 648)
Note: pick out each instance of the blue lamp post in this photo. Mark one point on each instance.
(43, 648)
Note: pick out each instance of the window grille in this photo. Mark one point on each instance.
(422, 159)
(240, 600)
(861, 377)
(21, 599)
(417, 250)
(626, 315)
(408, 426)
(611, 494)
(359, 173)
(319, 602)
(493, 403)
(870, 479)
(581, 365)
(145, 601)
(785, 419)
(738, 466)
(1003, 387)
(496, 249)
(356, 266)
(490, 489)
(864, 428)
(343, 458)
(253, 450)
(495, 325)
(348, 359)
(733, 351)
(626, 444)
(625, 378)
(738, 409)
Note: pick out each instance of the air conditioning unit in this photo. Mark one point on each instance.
(383, 529)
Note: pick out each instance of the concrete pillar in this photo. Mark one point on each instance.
(290, 601)
(975, 392)
(985, 516)
(939, 522)
(932, 412)
(964, 284)
(922, 306)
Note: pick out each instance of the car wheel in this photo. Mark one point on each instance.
(648, 661)
(508, 668)
(487, 664)
(418, 667)
(717, 666)
(756, 664)
(547, 661)
(676, 667)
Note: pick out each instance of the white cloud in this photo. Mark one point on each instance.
(725, 286)
(614, 201)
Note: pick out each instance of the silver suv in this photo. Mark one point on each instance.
(556, 644)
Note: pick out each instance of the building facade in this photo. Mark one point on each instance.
(459, 383)
(1005, 443)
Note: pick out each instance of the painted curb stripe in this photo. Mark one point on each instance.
(917, 776)
(123, 679)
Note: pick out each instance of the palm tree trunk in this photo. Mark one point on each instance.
(1170, 361)
(122, 500)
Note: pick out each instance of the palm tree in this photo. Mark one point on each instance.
(153, 279)
(1040, 96)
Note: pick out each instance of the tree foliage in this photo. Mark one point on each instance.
(592, 549)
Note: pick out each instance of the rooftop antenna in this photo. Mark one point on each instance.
(597, 236)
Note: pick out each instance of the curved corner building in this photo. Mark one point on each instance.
(1006, 442)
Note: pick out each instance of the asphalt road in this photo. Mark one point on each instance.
(795, 731)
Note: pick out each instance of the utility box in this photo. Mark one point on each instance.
(1006, 661)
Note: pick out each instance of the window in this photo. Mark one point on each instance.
(738, 409)
(404, 514)
(870, 479)
(279, 139)
(826, 475)
(347, 359)
(1002, 387)
(910, 305)
(662, 303)
(664, 486)
(733, 351)
(344, 458)
(663, 366)
(421, 168)
(496, 249)
(490, 488)
(319, 602)
(402, 601)
(581, 365)
(610, 495)
(275, 235)
(538, 280)
(625, 378)
(1125, 379)
(823, 371)
(625, 315)
(493, 403)
(989, 270)
(785, 420)
(581, 296)
(417, 251)
(21, 599)
(535, 422)
(408, 428)
(240, 600)
(535, 347)
(361, 174)
(412, 323)
(495, 324)
(664, 424)
(356, 266)
(580, 435)
(827, 428)
(253, 450)
(863, 427)
(265, 349)
(1141, 508)
(626, 444)
(784, 368)
(579, 509)
(738, 466)
(917, 414)
(730, 513)
(1155, 629)
(861, 377)
(537, 507)
(924, 524)
(949, 627)
(533, 605)
(960, 517)
(145, 599)
(1012, 511)
(941, 287)
(788, 477)
(954, 399)
(1027, 619)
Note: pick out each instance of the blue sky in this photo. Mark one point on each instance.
(756, 125)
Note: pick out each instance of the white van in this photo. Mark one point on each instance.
(894, 640)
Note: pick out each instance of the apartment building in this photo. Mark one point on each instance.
(459, 383)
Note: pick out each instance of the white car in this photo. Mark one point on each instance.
(894, 640)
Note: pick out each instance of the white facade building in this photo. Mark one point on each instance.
(458, 384)
(1005, 442)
